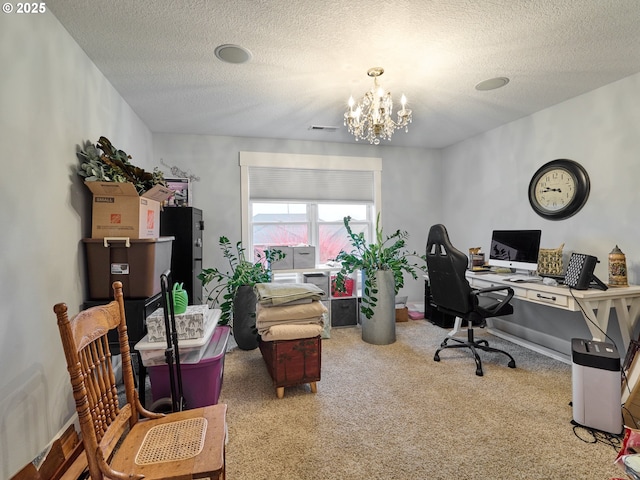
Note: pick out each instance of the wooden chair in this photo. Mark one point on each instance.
(118, 443)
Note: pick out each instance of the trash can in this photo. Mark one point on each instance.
(595, 379)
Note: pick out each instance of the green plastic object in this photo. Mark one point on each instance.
(180, 299)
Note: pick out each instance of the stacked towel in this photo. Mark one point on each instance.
(283, 293)
(289, 311)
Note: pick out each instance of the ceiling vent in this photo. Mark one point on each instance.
(323, 128)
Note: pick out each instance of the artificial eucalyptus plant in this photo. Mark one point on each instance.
(241, 272)
(113, 165)
(385, 253)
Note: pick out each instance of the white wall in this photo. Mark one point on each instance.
(52, 99)
(486, 180)
(410, 185)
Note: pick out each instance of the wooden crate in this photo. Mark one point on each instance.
(293, 362)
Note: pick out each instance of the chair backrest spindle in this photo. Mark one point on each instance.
(86, 346)
(113, 437)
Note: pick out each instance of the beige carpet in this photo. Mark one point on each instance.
(392, 412)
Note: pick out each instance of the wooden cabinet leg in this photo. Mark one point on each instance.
(280, 392)
(314, 387)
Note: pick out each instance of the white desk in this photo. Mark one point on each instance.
(594, 304)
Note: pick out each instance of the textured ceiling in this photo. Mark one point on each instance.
(310, 56)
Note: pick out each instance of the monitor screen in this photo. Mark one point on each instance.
(515, 249)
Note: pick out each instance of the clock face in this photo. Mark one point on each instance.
(555, 189)
(559, 189)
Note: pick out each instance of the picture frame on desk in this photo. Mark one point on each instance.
(182, 196)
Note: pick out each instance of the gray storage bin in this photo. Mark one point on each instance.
(320, 280)
(304, 257)
(287, 262)
(344, 312)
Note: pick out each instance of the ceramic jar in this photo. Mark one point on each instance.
(617, 268)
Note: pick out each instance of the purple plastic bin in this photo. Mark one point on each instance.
(202, 381)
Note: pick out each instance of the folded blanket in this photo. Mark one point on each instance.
(281, 293)
(291, 332)
(263, 326)
(288, 311)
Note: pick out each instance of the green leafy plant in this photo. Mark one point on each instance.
(224, 284)
(113, 165)
(385, 253)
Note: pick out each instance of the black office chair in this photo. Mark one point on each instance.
(452, 294)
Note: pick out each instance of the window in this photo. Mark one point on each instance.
(276, 223)
(302, 199)
(319, 224)
(332, 236)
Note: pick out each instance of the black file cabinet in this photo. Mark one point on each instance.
(186, 225)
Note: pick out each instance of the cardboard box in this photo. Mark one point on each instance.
(118, 210)
(402, 314)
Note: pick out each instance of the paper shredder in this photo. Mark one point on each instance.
(595, 378)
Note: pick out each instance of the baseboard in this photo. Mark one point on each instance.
(43, 454)
(532, 339)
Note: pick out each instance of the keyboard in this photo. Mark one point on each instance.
(524, 278)
(555, 277)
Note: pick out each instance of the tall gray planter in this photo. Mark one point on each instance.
(380, 329)
(244, 318)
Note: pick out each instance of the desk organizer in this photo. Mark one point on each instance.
(293, 362)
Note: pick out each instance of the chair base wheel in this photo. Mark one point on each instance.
(472, 345)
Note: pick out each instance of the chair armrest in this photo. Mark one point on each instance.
(495, 288)
(503, 301)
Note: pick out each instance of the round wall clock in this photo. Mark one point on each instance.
(559, 189)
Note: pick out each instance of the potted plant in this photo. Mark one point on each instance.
(114, 165)
(383, 264)
(232, 290)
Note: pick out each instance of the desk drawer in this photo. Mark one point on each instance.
(475, 283)
(548, 298)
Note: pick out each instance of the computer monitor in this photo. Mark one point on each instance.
(516, 249)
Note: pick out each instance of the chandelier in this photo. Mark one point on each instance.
(370, 118)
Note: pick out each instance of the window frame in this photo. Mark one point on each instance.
(308, 162)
